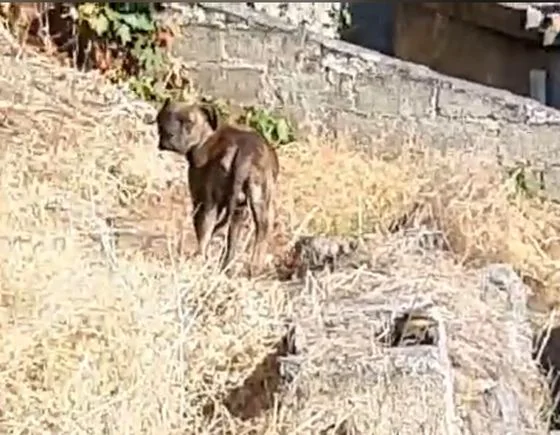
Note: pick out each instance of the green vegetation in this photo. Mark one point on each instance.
(129, 35)
(129, 45)
(277, 130)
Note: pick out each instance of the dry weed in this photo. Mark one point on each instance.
(469, 198)
(120, 341)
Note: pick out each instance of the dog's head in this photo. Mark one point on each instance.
(182, 127)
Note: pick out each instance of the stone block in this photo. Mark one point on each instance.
(199, 44)
(538, 144)
(241, 84)
(277, 49)
(390, 94)
(317, 91)
(472, 102)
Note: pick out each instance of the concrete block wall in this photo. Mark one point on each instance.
(234, 52)
(317, 17)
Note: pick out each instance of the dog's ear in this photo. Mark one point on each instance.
(211, 115)
(165, 105)
(161, 110)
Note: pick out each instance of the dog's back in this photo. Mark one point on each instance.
(248, 147)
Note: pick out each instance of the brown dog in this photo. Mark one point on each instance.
(229, 169)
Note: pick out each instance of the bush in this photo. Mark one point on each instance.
(125, 42)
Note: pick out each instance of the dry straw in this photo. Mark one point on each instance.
(477, 377)
(133, 338)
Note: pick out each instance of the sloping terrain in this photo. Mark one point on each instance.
(129, 334)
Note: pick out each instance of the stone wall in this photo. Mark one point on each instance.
(318, 17)
(234, 52)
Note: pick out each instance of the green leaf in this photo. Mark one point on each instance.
(112, 15)
(125, 7)
(268, 133)
(99, 24)
(138, 48)
(283, 131)
(131, 7)
(123, 32)
(138, 22)
(87, 9)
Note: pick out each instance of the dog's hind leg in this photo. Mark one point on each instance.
(260, 205)
(233, 234)
(204, 220)
(235, 215)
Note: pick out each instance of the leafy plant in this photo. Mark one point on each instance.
(128, 44)
(148, 88)
(277, 130)
(123, 21)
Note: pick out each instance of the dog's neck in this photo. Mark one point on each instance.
(198, 155)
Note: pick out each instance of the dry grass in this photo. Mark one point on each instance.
(137, 340)
(474, 370)
(468, 198)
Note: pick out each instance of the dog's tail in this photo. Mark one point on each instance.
(240, 177)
